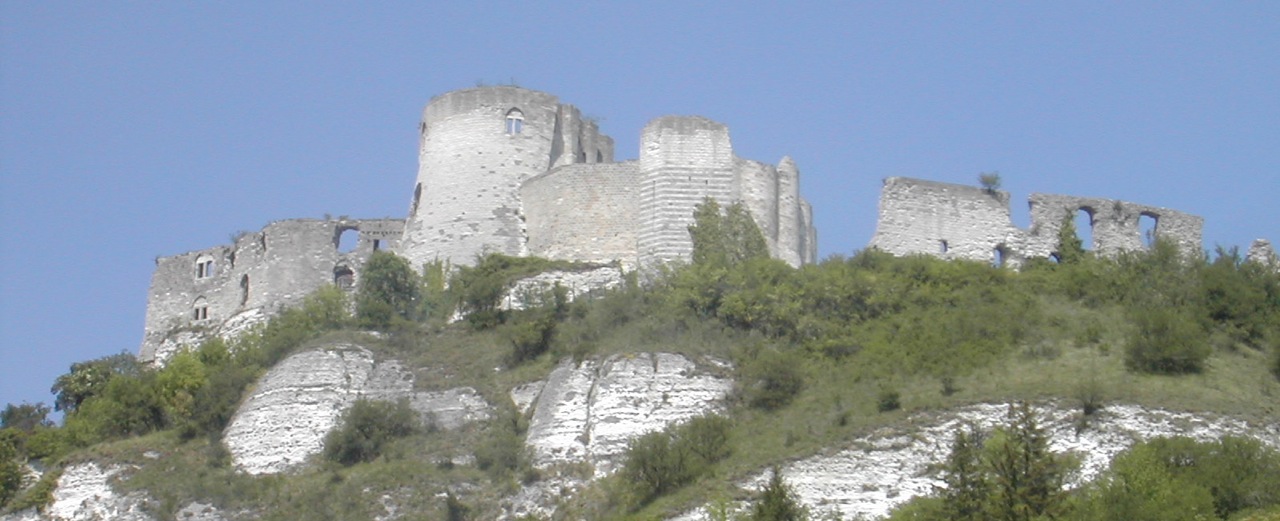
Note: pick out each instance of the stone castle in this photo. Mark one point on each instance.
(503, 170)
(514, 171)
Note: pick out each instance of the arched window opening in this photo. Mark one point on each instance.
(344, 278)
(515, 121)
(200, 309)
(943, 246)
(999, 256)
(417, 196)
(244, 290)
(1149, 227)
(346, 239)
(204, 267)
(1084, 227)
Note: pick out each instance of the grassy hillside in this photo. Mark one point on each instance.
(821, 354)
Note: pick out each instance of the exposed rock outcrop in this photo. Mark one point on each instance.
(84, 493)
(588, 412)
(875, 473)
(284, 421)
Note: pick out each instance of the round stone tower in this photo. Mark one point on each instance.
(476, 147)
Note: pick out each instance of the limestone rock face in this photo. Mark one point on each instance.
(532, 290)
(84, 493)
(285, 420)
(876, 473)
(589, 412)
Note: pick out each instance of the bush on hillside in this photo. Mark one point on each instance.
(366, 429)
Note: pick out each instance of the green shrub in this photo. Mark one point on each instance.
(663, 461)
(888, 400)
(1166, 341)
(770, 380)
(366, 428)
(10, 466)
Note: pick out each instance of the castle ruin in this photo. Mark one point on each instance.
(501, 170)
(966, 222)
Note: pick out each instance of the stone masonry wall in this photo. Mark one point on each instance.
(583, 212)
(197, 294)
(472, 161)
(1115, 224)
(945, 220)
(966, 222)
(682, 161)
(685, 159)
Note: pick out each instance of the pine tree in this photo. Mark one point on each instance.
(1026, 478)
(967, 485)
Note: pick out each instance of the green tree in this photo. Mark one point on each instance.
(389, 290)
(1070, 248)
(26, 417)
(990, 181)
(967, 484)
(88, 379)
(723, 238)
(1026, 479)
(777, 502)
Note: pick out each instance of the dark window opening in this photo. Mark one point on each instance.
(1000, 256)
(417, 196)
(943, 246)
(599, 157)
(262, 239)
(346, 239)
(515, 121)
(244, 290)
(1149, 227)
(377, 244)
(204, 268)
(344, 278)
(200, 309)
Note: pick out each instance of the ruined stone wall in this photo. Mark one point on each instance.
(198, 294)
(945, 220)
(966, 222)
(1115, 225)
(583, 212)
(477, 146)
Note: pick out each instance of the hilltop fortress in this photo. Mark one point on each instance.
(501, 170)
(515, 171)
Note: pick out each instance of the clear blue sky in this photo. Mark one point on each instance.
(132, 130)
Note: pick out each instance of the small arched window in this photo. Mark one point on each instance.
(344, 278)
(200, 309)
(515, 121)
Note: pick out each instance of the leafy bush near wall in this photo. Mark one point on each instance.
(660, 462)
(366, 429)
(389, 291)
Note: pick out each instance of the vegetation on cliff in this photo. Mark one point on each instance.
(820, 353)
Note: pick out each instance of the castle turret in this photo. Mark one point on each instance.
(476, 147)
(683, 159)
